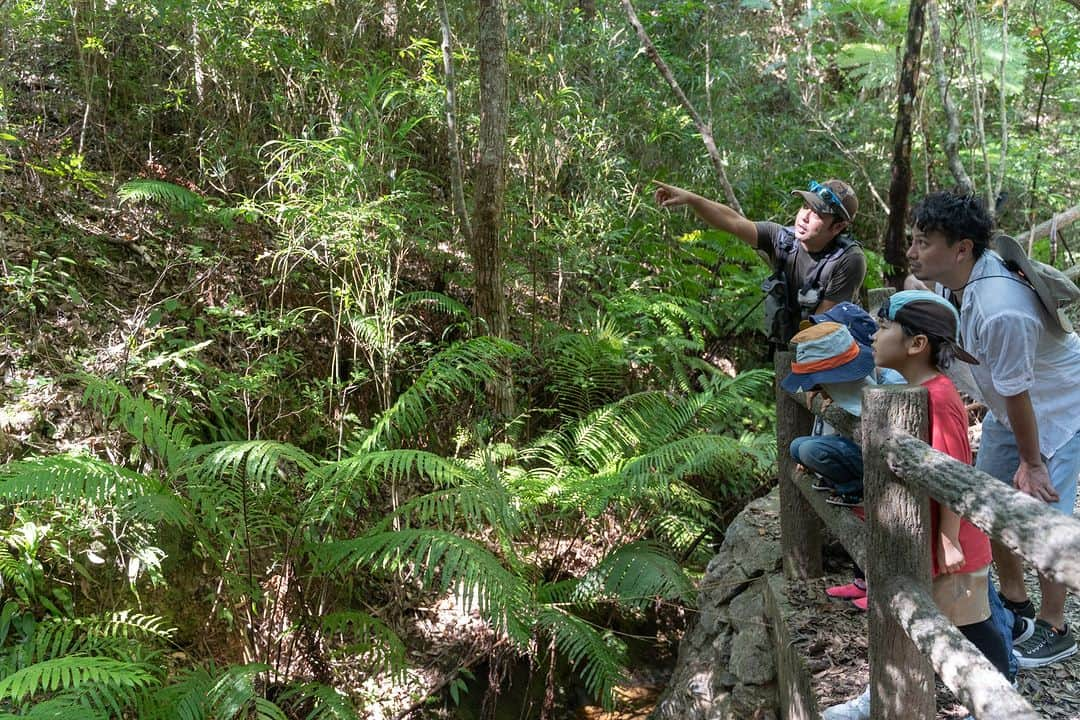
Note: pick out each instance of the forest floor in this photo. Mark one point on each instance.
(833, 638)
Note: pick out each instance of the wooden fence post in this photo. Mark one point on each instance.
(800, 526)
(901, 678)
(876, 298)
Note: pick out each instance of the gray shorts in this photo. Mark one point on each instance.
(1000, 457)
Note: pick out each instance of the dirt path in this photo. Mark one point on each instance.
(833, 638)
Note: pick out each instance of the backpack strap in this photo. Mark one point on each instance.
(843, 244)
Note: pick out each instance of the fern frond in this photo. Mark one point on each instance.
(184, 698)
(65, 706)
(328, 702)
(442, 303)
(162, 432)
(587, 371)
(635, 575)
(368, 637)
(598, 658)
(234, 691)
(460, 369)
(164, 193)
(443, 561)
(75, 479)
(74, 671)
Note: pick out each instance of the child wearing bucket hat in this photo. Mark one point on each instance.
(829, 359)
(835, 459)
(917, 336)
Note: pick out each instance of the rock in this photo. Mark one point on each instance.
(752, 659)
(726, 669)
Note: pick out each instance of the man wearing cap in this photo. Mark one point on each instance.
(821, 263)
(1029, 364)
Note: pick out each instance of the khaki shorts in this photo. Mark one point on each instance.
(963, 597)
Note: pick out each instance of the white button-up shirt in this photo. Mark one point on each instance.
(1003, 324)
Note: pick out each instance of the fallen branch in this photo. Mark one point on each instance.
(1043, 229)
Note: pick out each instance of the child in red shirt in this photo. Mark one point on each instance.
(917, 332)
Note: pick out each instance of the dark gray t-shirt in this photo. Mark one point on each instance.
(839, 282)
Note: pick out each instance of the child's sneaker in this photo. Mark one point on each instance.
(821, 483)
(1023, 618)
(851, 591)
(861, 603)
(855, 709)
(845, 499)
(1045, 646)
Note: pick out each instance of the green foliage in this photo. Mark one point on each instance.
(457, 370)
(110, 678)
(179, 199)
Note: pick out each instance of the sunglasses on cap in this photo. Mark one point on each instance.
(831, 198)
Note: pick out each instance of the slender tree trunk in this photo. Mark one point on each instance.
(703, 128)
(390, 17)
(900, 187)
(457, 184)
(490, 183)
(952, 135)
(971, 17)
(1004, 109)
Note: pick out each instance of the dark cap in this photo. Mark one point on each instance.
(832, 197)
(857, 320)
(928, 314)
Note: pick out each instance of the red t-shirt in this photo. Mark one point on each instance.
(949, 434)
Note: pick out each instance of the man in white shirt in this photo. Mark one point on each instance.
(1029, 378)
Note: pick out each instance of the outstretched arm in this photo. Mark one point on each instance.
(716, 214)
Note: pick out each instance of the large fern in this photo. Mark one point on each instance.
(636, 575)
(595, 654)
(180, 199)
(460, 369)
(154, 427)
(109, 675)
(74, 479)
(443, 561)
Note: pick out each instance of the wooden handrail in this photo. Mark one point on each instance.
(901, 677)
(959, 664)
(1041, 535)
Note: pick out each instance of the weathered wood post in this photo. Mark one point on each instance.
(901, 678)
(876, 298)
(800, 526)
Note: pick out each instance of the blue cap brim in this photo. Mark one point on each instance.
(856, 369)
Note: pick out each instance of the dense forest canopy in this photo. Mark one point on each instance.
(347, 360)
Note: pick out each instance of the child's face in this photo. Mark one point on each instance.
(890, 345)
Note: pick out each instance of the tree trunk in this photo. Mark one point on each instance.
(457, 184)
(900, 187)
(490, 182)
(390, 17)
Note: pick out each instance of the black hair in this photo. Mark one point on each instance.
(957, 216)
(941, 353)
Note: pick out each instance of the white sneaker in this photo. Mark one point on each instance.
(854, 709)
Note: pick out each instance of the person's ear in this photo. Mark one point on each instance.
(964, 248)
(918, 343)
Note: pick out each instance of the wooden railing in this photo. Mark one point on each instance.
(910, 639)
